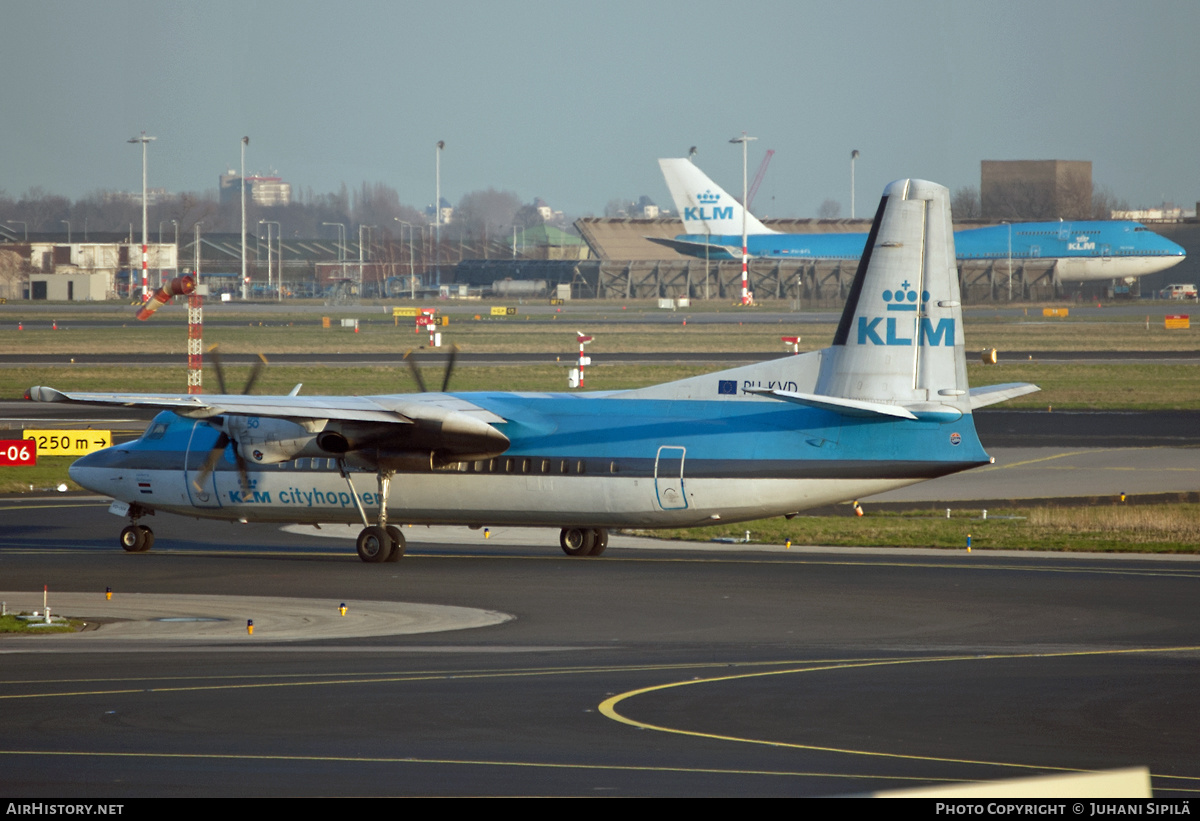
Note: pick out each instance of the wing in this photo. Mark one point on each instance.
(376, 430)
(698, 249)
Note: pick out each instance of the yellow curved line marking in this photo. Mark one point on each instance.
(608, 706)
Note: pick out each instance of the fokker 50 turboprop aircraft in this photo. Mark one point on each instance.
(886, 406)
(1084, 251)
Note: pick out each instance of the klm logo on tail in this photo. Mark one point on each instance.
(904, 300)
(707, 209)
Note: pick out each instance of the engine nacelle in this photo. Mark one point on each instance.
(267, 441)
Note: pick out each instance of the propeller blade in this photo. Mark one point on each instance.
(220, 371)
(416, 372)
(255, 372)
(243, 472)
(449, 367)
(210, 463)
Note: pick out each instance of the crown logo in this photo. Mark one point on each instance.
(904, 298)
(708, 198)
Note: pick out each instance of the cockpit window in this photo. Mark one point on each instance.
(155, 431)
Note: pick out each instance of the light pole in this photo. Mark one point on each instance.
(245, 283)
(145, 231)
(412, 276)
(853, 157)
(341, 246)
(196, 249)
(160, 242)
(360, 253)
(278, 257)
(744, 140)
(258, 251)
(437, 215)
(68, 224)
(1009, 261)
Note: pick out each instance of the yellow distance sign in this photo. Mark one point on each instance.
(399, 311)
(69, 442)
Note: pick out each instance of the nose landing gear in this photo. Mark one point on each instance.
(137, 538)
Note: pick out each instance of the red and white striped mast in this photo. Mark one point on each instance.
(182, 286)
(745, 254)
(145, 231)
(583, 360)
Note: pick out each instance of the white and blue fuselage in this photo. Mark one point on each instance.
(592, 460)
(1085, 251)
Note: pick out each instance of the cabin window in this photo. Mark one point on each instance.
(579, 466)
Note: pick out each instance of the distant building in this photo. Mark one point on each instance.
(153, 196)
(264, 191)
(548, 242)
(546, 213)
(1035, 189)
(645, 209)
(447, 212)
(1166, 212)
(86, 271)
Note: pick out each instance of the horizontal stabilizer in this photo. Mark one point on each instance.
(991, 394)
(698, 249)
(846, 407)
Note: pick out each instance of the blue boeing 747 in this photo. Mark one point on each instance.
(1084, 251)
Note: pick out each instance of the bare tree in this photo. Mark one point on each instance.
(965, 204)
(830, 210)
(482, 212)
(1104, 202)
(616, 208)
(1075, 195)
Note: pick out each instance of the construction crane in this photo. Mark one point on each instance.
(758, 178)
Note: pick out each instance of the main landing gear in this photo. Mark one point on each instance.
(381, 542)
(580, 541)
(137, 538)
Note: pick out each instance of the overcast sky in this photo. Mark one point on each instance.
(574, 101)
